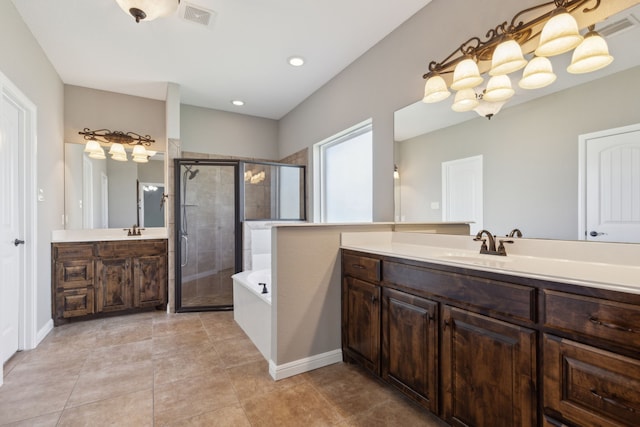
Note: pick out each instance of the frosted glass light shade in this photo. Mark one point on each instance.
(140, 159)
(488, 109)
(152, 8)
(93, 146)
(99, 154)
(537, 74)
(435, 90)
(591, 55)
(139, 150)
(498, 89)
(466, 75)
(465, 100)
(559, 35)
(507, 58)
(118, 153)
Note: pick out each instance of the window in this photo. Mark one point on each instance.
(344, 176)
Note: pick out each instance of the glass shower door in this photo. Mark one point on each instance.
(208, 233)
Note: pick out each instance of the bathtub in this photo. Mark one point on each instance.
(252, 308)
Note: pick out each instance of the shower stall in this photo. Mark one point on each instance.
(213, 198)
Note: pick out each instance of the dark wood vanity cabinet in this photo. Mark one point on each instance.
(361, 308)
(480, 348)
(107, 277)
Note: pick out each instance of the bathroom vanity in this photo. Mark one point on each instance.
(480, 340)
(93, 278)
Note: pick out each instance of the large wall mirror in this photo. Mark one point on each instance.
(112, 194)
(529, 150)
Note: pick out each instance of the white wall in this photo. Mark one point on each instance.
(203, 130)
(25, 64)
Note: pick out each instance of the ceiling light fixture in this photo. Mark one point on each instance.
(547, 29)
(296, 61)
(148, 10)
(237, 102)
(118, 140)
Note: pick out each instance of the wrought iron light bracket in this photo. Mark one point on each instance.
(107, 136)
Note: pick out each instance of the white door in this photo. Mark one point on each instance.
(11, 251)
(462, 191)
(612, 190)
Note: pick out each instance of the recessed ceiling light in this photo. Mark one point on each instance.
(296, 61)
(237, 103)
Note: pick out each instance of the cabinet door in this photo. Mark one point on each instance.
(114, 284)
(489, 371)
(149, 280)
(589, 386)
(361, 323)
(409, 346)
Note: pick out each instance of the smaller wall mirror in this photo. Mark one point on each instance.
(111, 194)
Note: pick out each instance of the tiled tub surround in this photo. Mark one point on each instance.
(612, 266)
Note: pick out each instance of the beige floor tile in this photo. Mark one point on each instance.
(14, 361)
(174, 367)
(47, 420)
(113, 381)
(231, 416)
(192, 397)
(179, 325)
(237, 351)
(253, 379)
(179, 343)
(351, 390)
(294, 406)
(119, 334)
(105, 358)
(134, 409)
(20, 401)
(395, 411)
(222, 328)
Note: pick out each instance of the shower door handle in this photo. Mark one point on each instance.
(186, 251)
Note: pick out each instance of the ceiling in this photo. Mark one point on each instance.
(241, 55)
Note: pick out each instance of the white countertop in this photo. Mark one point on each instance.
(462, 251)
(106, 234)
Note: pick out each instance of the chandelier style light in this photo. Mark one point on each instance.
(148, 10)
(541, 31)
(118, 140)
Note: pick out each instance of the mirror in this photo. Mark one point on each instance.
(530, 149)
(111, 194)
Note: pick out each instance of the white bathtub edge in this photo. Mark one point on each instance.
(286, 370)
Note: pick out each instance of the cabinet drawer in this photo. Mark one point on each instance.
(609, 321)
(364, 268)
(588, 386)
(131, 248)
(72, 250)
(75, 302)
(500, 297)
(74, 274)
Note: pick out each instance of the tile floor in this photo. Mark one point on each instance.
(199, 369)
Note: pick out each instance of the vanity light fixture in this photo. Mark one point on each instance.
(148, 10)
(118, 140)
(541, 31)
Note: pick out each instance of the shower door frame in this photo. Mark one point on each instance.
(239, 196)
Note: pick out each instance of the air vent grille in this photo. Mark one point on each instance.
(617, 27)
(198, 15)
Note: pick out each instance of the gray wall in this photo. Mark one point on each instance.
(530, 157)
(26, 65)
(387, 78)
(209, 131)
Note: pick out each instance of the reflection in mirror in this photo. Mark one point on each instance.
(104, 193)
(530, 149)
(274, 191)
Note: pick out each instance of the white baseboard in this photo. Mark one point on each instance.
(44, 331)
(279, 372)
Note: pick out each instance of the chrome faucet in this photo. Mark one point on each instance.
(491, 249)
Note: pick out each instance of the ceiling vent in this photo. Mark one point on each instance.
(618, 27)
(198, 15)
